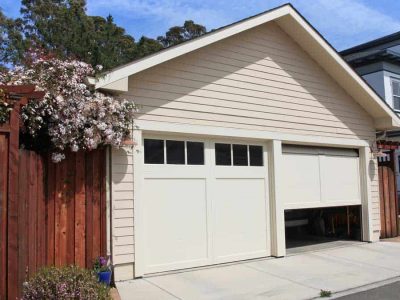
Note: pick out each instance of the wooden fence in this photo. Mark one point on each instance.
(388, 196)
(60, 216)
(51, 214)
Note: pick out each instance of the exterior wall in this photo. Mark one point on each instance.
(375, 201)
(122, 212)
(259, 80)
(376, 81)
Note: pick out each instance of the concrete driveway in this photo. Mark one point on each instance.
(300, 276)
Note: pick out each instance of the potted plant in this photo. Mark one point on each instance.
(102, 267)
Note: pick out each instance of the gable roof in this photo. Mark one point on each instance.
(290, 20)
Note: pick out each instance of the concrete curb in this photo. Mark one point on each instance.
(362, 288)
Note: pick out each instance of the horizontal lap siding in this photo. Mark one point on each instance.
(256, 80)
(122, 212)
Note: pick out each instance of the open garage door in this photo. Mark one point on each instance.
(205, 202)
(322, 196)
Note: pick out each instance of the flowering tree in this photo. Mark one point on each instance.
(70, 116)
(5, 107)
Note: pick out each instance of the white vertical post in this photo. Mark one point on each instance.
(276, 185)
(138, 161)
(365, 188)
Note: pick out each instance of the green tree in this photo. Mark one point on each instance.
(12, 43)
(147, 46)
(62, 28)
(178, 34)
(58, 26)
(112, 46)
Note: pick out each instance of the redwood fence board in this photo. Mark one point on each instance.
(60, 214)
(388, 197)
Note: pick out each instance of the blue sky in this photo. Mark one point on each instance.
(343, 23)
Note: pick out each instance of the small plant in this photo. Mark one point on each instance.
(102, 267)
(64, 283)
(102, 264)
(325, 294)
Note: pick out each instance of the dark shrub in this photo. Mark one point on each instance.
(64, 283)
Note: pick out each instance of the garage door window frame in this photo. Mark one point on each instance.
(165, 151)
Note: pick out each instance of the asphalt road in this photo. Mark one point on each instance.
(386, 292)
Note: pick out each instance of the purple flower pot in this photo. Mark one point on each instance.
(105, 277)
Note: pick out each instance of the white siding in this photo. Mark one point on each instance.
(122, 212)
(258, 80)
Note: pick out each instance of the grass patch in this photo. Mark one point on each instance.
(325, 294)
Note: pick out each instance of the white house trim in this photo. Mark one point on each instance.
(278, 247)
(243, 133)
(365, 159)
(138, 205)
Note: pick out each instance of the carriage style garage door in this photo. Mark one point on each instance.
(205, 202)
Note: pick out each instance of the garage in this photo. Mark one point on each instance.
(322, 198)
(205, 202)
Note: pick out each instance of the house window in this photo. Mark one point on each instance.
(396, 94)
(176, 152)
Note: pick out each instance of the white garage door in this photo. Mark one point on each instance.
(320, 177)
(205, 202)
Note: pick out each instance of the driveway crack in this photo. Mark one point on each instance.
(281, 277)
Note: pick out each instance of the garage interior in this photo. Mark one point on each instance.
(317, 228)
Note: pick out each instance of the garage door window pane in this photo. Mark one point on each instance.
(176, 152)
(195, 153)
(153, 151)
(256, 156)
(223, 154)
(240, 155)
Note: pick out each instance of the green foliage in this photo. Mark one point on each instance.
(147, 46)
(325, 294)
(178, 34)
(64, 283)
(12, 43)
(63, 28)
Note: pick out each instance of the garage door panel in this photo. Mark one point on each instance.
(340, 179)
(175, 171)
(320, 177)
(302, 182)
(176, 222)
(239, 218)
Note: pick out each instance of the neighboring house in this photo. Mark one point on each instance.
(236, 129)
(378, 62)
